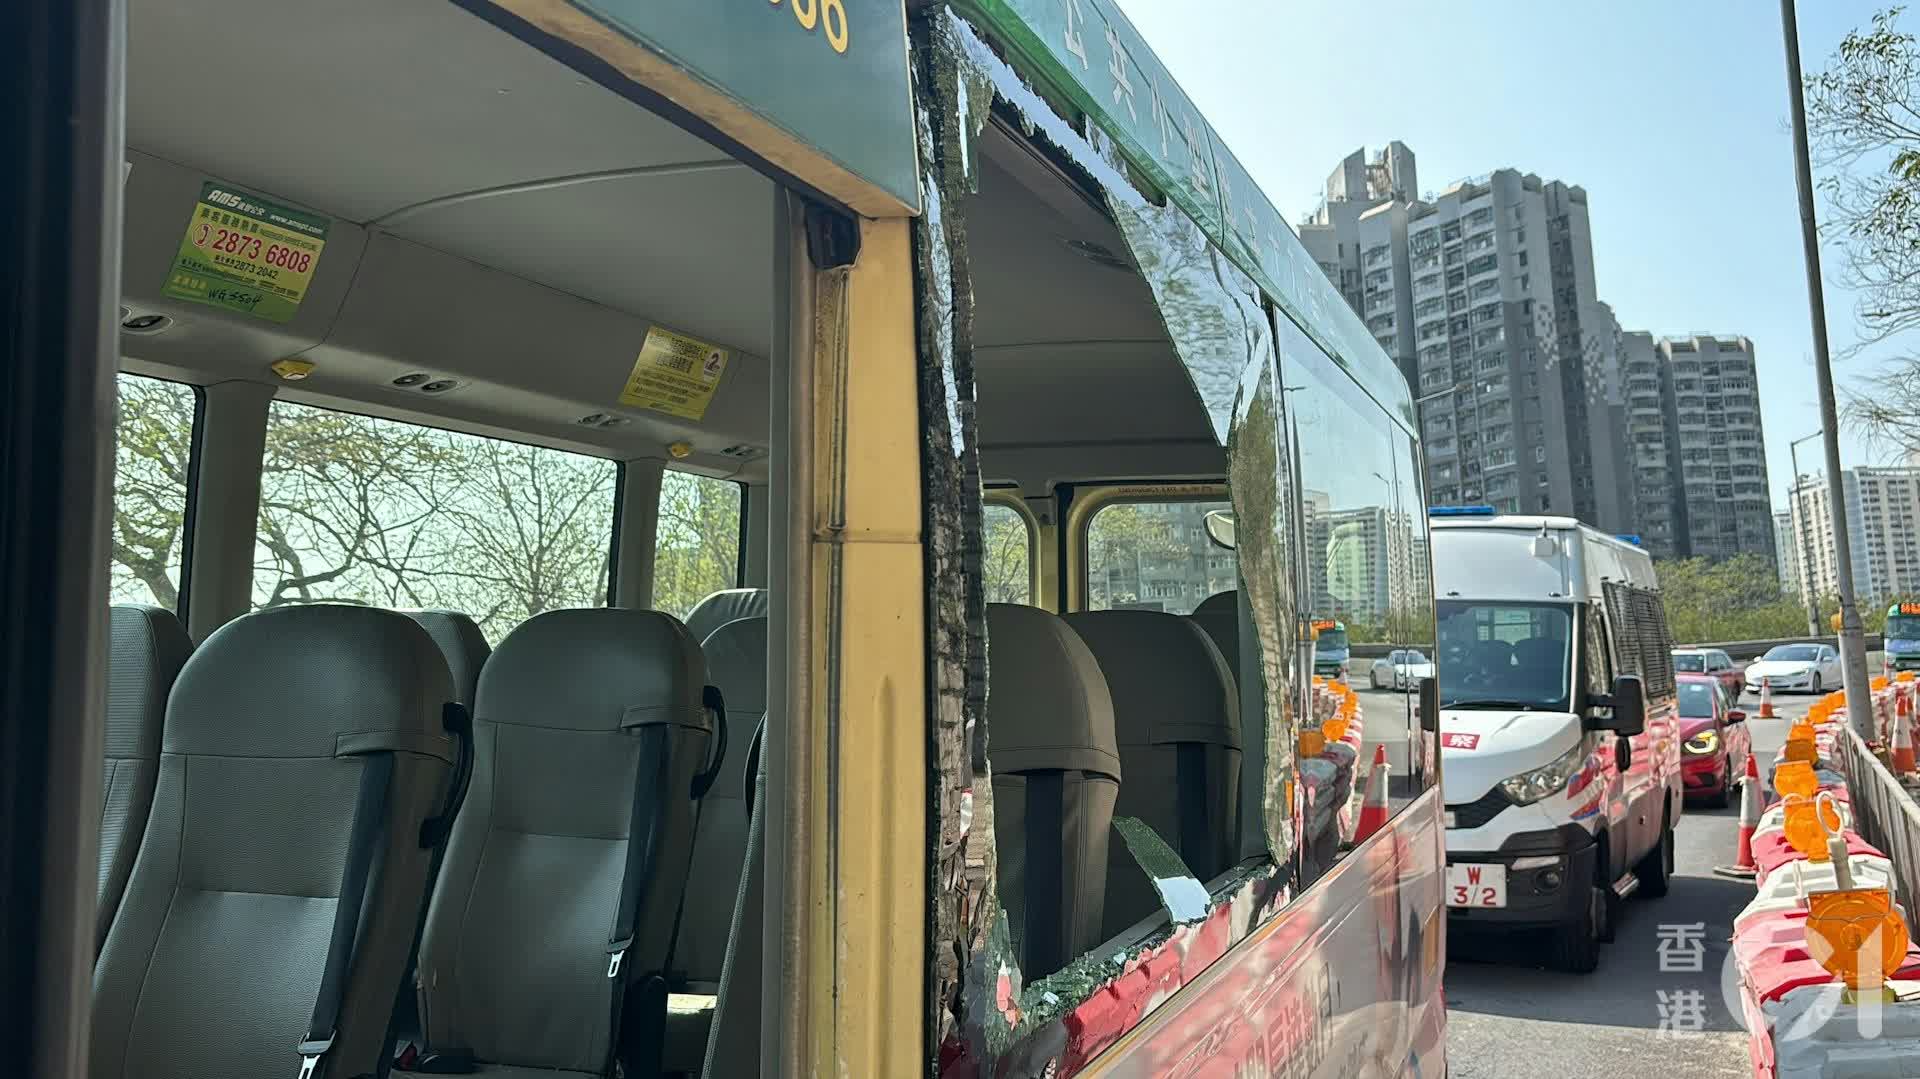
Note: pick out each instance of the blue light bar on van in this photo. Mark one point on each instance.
(1461, 511)
(1630, 537)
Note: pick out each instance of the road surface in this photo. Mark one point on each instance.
(1508, 1019)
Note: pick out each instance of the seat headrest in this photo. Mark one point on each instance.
(1169, 681)
(595, 669)
(1219, 605)
(314, 680)
(737, 663)
(1047, 703)
(462, 642)
(725, 606)
(147, 647)
(1538, 650)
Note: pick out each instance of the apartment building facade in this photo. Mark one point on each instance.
(1882, 512)
(1699, 466)
(1485, 295)
(1365, 206)
(1786, 554)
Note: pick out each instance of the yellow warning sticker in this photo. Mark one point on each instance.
(675, 374)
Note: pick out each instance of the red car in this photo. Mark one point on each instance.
(1714, 741)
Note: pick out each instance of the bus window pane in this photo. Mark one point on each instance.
(1006, 554)
(152, 452)
(355, 509)
(697, 545)
(1155, 556)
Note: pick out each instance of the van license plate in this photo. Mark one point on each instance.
(1472, 884)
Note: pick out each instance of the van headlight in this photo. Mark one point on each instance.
(1529, 787)
(1701, 744)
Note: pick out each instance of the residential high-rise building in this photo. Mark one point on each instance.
(1699, 465)
(1786, 554)
(1883, 529)
(1485, 296)
(1366, 205)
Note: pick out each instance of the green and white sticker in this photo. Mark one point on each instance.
(246, 253)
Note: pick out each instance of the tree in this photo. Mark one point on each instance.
(697, 542)
(153, 448)
(1006, 556)
(1863, 117)
(1736, 599)
(346, 505)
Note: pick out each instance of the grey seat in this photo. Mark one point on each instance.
(1219, 615)
(461, 641)
(588, 725)
(1056, 774)
(736, 656)
(147, 648)
(725, 606)
(1177, 716)
(276, 724)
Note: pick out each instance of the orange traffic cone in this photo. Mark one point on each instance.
(1743, 866)
(1373, 811)
(1766, 700)
(1902, 744)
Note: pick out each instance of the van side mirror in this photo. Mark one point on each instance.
(1628, 706)
(1429, 704)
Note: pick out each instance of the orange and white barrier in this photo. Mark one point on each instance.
(1803, 1023)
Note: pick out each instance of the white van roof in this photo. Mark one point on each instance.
(1529, 522)
(1488, 570)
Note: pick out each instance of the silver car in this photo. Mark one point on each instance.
(1402, 669)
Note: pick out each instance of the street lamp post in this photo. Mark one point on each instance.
(1853, 653)
(1802, 559)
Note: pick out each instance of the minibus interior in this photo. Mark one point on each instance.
(438, 428)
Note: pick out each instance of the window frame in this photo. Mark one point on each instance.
(739, 578)
(1088, 499)
(434, 423)
(196, 458)
(1010, 498)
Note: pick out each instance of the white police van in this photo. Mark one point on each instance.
(1558, 725)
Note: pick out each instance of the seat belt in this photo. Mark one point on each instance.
(369, 824)
(638, 1050)
(1046, 884)
(1196, 842)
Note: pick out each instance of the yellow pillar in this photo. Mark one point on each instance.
(867, 893)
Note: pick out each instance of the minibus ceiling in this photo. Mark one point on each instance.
(524, 224)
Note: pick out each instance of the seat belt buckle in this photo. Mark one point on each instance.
(616, 954)
(310, 1053)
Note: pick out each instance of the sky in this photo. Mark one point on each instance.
(1672, 116)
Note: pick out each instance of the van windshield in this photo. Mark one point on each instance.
(1505, 655)
(1330, 642)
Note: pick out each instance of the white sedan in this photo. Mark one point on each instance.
(1403, 668)
(1809, 667)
